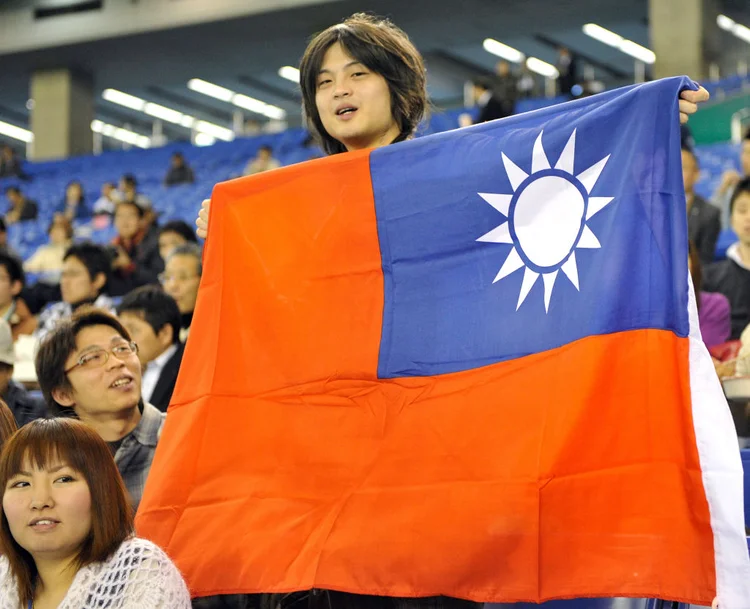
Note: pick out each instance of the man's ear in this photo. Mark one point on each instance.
(99, 281)
(16, 287)
(64, 397)
(165, 335)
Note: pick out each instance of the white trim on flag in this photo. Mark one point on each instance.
(721, 467)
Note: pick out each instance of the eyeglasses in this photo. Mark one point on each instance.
(99, 357)
(164, 278)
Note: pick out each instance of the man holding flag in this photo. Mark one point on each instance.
(476, 370)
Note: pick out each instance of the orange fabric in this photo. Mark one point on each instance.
(285, 464)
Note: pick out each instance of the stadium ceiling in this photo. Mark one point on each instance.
(245, 54)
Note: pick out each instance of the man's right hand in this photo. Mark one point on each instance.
(202, 221)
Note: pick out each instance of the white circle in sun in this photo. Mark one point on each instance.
(547, 219)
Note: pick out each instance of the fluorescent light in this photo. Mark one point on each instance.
(210, 89)
(123, 99)
(542, 67)
(164, 113)
(123, 135)
(639, 52)
(187, 121)
(602, 34)
(628, 47)
(502, 50)
(220, 133)
(290, 73)
(742, 32)
(724, 22)
(17, 133)
(203, 139)
(275, 112)
(249, 103)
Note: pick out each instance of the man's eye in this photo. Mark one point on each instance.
(92, 358)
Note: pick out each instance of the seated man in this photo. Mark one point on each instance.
(173, 234)
(704, 220)
(137, 261)
(88, 368)
(181, 278)
(24, 407)
(153, 320)
(13, 309)
(179, 172)
(264, 161)
(21, 208)
(10, 164)
(84, 276)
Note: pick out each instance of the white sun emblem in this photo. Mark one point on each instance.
(546, 218)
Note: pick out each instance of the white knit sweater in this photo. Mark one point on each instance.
(138, 576)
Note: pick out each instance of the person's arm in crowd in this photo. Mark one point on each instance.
(35, 263)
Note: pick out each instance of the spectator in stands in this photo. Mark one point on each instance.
(731, 277)
(128, 191)
(181, 278)
(4, 247)
(48, 259)
(73, 206)
(85, 554)
(10, 164)
(24, 407)
(174, 234)
(704, 220)
(527, 83)
(105, 204)
(731, 178)
(567, 67)
(714, 313)
(21, 208)
(88, 368)
(263, 161)
(180, 172)
(152, 318)
(84, 277)
(137, 261)
(491, 105)
(13, 309)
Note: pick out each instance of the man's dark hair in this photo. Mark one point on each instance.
(266, 148)
(381, 47)
(743, 186)
(482, 82)
(130, 180)
(154, 306)
(747, 134)
(14, 189)
(93, 256)
(13, 266)
(181, 228)
(131, 202)
(189, 249)
(57, 346)
(3, 226)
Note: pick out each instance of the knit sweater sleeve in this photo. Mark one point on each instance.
(8, 587)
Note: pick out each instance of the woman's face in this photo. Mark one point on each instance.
(127, 221)
(48, 510)
(354, 102)
(58, 235)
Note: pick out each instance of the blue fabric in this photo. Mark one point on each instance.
(442, 311)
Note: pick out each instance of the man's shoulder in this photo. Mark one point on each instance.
(706, 209)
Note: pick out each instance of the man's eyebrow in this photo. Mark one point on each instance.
(348, 65)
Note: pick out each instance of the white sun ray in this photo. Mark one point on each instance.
(549, 283)
(512, 263)
(529, 279)
(589, 177)
(539, 160)
(570, 268)
(501, 234)
(596, 204)
(516, 175)
(500, 202)
(588, 240)
(565, 162)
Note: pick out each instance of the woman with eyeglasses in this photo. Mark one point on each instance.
(67, 529)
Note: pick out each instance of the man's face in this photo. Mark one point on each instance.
(14, 197)
(76, 284)
(106, 383)
(745, 157)
(690, 172)
(150, 344)
(9, 289)
(740, 218)
(181, 281)
(168, 241)
(127, 220)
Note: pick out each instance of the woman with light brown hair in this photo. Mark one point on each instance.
(66, 530)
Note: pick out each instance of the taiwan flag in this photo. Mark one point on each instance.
(464, 365)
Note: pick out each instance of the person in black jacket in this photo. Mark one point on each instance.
(153, 320)
(704, 219)
(731, 277)
(24, 407)
(180, 172)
